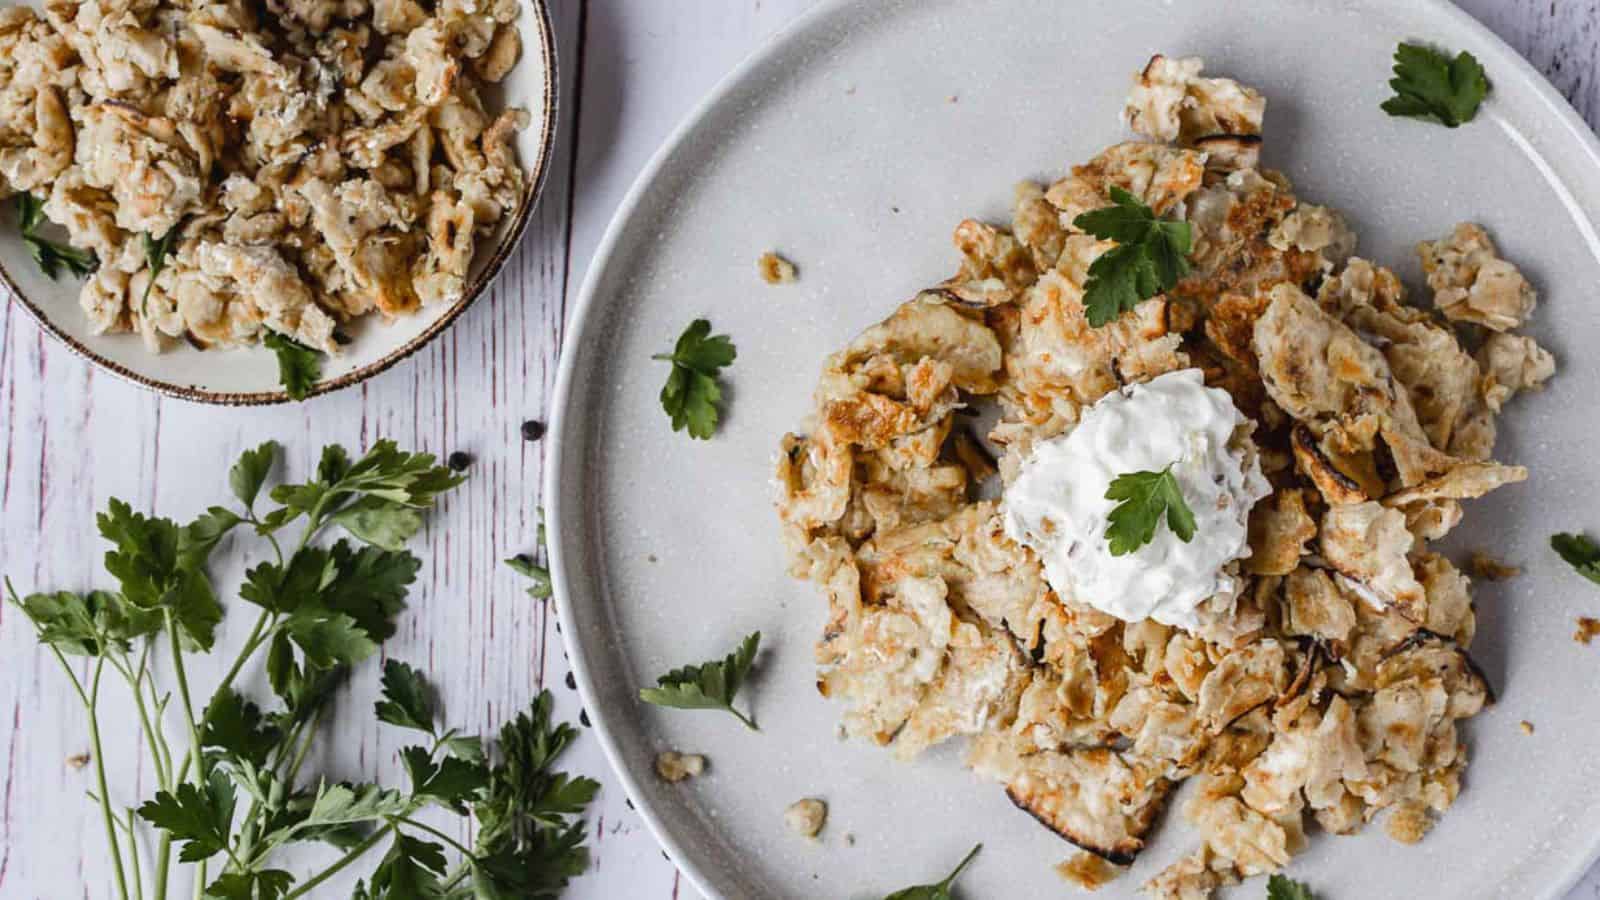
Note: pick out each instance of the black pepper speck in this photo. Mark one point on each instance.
(583, 717)
(459, 461)
(532, 430)
(572, 683)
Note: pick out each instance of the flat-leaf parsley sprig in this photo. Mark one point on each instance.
(938, 891)
(1280, 887)
(692, 395)
(1580, 552)
(299, 366)
(1144, 499)
(1151, 256)
(710, 685)
(49, 255)
(1430, 85)
(239, 793)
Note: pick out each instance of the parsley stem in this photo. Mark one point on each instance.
(741, 717)
(396, 820)
(133, 858)
(91, 702)
(305, 747)
(355, 853)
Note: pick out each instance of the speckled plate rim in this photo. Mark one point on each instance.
(585, 312)
(507, 245)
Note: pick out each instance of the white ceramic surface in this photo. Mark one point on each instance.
(250, 375)
(853, 143)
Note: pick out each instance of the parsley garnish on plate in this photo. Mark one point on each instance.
(1151, 255)
(1430, 85)
(1280, 887)
(710, 685)
(155, 258)
(939, 891)
(1145, 498)
(50, 255)
(691, 395)
(299, 366)
(1580, 552)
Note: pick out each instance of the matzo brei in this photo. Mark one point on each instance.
(1325, 689)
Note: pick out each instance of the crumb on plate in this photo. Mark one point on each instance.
(673, 767)
(1088, 871)
(1588, 629)
(1408, 823)
(1526, 726)
(775, 269)
(1490, 569)
(806, 817)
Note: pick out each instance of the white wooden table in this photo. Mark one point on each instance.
(70, 438)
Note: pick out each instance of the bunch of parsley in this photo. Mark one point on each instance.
(239, 793)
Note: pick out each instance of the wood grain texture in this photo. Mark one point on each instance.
(71, 438)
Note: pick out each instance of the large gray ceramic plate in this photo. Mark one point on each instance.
(854, 142)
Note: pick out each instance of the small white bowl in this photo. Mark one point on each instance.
(249, 376)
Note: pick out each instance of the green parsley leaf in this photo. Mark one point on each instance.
(1430, 85)
(407, 701)
(299, 366)
(692, 396)
(86, 624)
(1280, 887)
(410, 871)
(352, 804)
(155, 259)
(449, 780)
(710, 685)
(530, 838)
(154, 569)
(250, 472)
(203, 819)
(939, 891)
(541, 588)
(200, 537)
(1580, 552)
(329, 639)
(235, 726)
(1145, 497)
(380, 522)
(1151, 256)
(50, 255)
(266, 884)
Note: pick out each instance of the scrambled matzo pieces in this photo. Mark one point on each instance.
(1329, 693)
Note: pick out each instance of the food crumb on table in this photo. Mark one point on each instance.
(673, 767)
(775, 269)
(1526, 726)
(78, 760)
(806, 817)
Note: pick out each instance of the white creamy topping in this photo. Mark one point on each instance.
(1057, 505)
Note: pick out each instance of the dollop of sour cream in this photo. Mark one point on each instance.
(1057, 505)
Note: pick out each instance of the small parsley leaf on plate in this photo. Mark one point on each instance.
(155, 259)
(1580, 552)
(1430, 85)
(692, 396)
(941, 890)
(711, 685)
(1282, 888)
(299, 366)
(1145, 497)
(50, 255)
(1151, 256)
